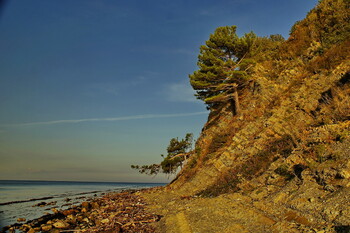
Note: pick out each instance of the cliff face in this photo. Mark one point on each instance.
(290, 146)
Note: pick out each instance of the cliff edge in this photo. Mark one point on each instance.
(283, 163)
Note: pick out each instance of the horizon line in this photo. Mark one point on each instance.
(135, 117)
(84, 181)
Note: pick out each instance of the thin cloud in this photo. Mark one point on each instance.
(137, 117)
(180, 92)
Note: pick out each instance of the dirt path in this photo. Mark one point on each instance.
(227, 213)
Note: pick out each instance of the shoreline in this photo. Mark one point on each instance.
(112, 212)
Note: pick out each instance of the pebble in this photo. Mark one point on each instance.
(46, 227)
(105, 221)
(61, 224)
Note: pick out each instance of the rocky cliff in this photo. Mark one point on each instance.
(287, 155)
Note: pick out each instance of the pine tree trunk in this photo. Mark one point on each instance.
(237, 107)
(234, 101)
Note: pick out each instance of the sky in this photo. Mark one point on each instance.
(89, 87)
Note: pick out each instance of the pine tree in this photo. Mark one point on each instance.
(178, 152)
(224, 63)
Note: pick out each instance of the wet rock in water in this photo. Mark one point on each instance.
(40, 204)
(21, 219)
(61, 224)
(67, 199)
(54, 210)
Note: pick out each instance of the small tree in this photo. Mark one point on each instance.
(178, 152)
(224, 65)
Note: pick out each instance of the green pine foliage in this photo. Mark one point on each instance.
(224, 63)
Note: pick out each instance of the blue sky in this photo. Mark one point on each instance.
(89, 87)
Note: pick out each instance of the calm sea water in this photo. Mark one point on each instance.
(18, 198)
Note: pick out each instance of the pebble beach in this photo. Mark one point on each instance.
(113, 212)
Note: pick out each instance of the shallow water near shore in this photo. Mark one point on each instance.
(20, 199)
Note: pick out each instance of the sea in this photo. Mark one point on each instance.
(33, 199)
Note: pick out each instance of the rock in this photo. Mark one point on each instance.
(55, 231)
(85, 205)
(97, 221)
(31, 230)
(26, 226)
(54, 210)
(68, 212)
(40, 204)
(46, 227)
(21, 219)
(61, 224)
(106, 220)
(71, 219)
(95, 205)
(329, 188)
(344, 174)
(80, 218)
(117, 229)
